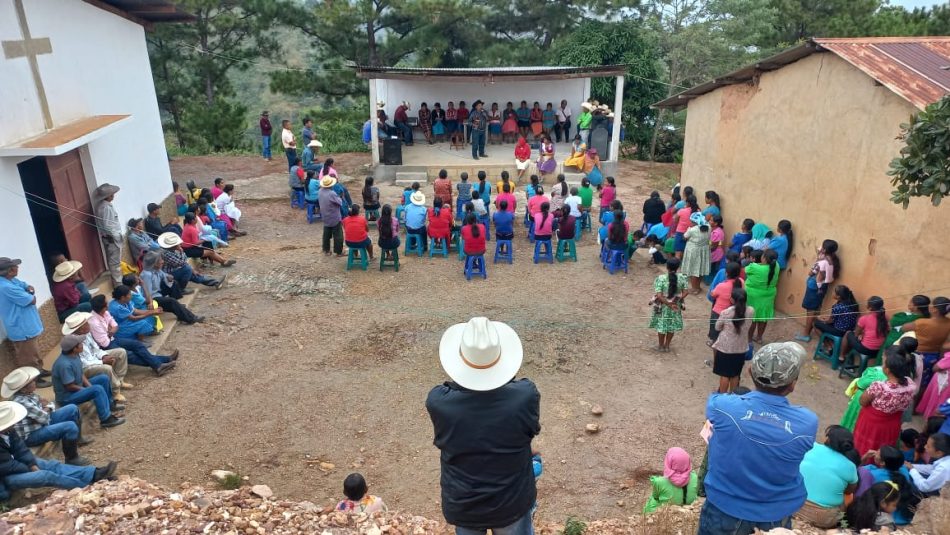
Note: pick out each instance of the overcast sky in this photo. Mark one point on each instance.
(911, 4)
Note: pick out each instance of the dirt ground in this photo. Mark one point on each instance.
(302, 362)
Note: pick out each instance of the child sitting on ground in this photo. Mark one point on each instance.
(656, 250)
(677, 485)
(908, 444)
(873, 509)
(357, 500)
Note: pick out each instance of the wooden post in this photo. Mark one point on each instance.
(374, 124)
(618, 108)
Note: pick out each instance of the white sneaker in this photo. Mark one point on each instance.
(93, 291)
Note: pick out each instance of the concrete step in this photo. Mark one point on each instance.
(406, 178)
(573, 179)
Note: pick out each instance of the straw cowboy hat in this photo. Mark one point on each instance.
(587, 106)
(105, 190)
(380, 104)
(65, 270)
(74, 321)
(11, 412)
(169, 240)
(16, 380)
(418, 198)
(314, 143)
(328, 181)
(481, 354)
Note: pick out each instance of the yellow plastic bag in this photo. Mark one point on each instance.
(158, 320)
(128, 268)
(852, 388)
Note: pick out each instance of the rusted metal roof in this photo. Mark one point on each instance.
(915, 68)
(493, 73)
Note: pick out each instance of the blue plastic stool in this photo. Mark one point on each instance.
(578, 228)
(531, 233)
(311, 213)
(527, 220)
(438, 246)
(372, 216)
(604, 251)
(547, 254)
(456, 237)
(297, 199)
(461, 247)
(566, 249)
(413, 244)
(400, 213)
(392, 262)
(585, 221)
(820, 352)
(357, 255)
(475, 265)
(616, 259)
(508, 254)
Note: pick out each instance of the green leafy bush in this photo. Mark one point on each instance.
(574, 526)
(923, 168)
(340, 129)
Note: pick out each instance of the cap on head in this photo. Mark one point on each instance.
(777, 365)
(69, 342)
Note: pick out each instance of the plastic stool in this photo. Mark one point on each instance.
(393, 261)
(438, 246)
(413, 244)
(508, 254)
(475, 265)
(297, 200)
(616, 259)
(531, 233)
(372, 216)
(835, 349)
(311, 212)
(566, 249)
(547, 254)
(855, 370)
(357, 255)
(527, 221)
(585, 221)
(461, 247)
(578, 228)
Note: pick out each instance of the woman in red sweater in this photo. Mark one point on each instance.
(474, 235)
(440, 221)
(194, 247)
(356, 231)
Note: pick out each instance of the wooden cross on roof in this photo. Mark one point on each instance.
(30, 47)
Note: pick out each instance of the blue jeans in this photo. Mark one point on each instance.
(185, 273)
(712, 521)
(51, 474)
(265, 142)
(522, 526)
(99, 392)
(138, 353)
(478, 143)
(291, 154)
(63, 425)
(406, 131)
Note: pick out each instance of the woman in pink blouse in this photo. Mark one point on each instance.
(883, 404)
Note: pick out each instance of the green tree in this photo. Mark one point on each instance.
(191, 64)
(923, 167)
(801, 19)
(626, 43)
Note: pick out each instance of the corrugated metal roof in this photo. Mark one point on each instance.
(149, 11)
(535, 72)
(914, 68)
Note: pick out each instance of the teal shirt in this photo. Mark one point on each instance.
(827, 473)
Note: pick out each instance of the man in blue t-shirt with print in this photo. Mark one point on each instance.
(757, 444)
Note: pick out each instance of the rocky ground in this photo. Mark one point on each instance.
(132, 506)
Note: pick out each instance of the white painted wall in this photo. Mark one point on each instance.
(99, 65)
(392, 92)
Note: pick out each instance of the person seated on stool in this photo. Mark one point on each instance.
(72, 387)
(543, 222)
(565, 223)
(473, 233)
(356, 231)
(617, 231)
(416, 218)
(69, 291)
(43, 421)
(440, 220)
(504, 222)
(388, 227)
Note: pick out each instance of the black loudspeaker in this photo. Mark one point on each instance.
(392, 152)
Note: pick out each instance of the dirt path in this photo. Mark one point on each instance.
(302, 361)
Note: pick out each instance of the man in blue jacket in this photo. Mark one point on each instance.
(484, 420)
(20, 469)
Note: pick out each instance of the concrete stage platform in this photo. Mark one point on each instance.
(422, 163)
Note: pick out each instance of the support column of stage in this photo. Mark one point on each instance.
(373, 121)
(618, 108)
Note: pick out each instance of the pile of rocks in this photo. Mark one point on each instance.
(133, 506)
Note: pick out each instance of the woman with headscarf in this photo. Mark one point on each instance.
(761, 236)
(592, 169)
(522, 156)
(677, 485)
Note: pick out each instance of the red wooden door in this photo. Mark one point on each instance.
(76, 212)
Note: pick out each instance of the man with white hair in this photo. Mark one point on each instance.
(484, 420)
(401, 118)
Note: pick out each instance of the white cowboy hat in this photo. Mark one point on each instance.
(380, 104)
(314, 143)
(74, 321)
(328, 181)
(481, 354)
(16, 380)
(610, 115)
(65, 270)
(11, 412)
(587, 106)
(406, 104)
(169, 240)
(418, 198)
